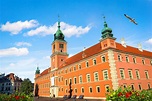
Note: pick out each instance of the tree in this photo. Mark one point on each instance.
(27, 86)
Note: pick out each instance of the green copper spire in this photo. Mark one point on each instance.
(106, 31)
(37, 71)
(59, 35)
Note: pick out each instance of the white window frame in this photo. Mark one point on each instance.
(81, 89)
(80, 79)
(130, 74)
(122, 74)
(96, 76)
(107, 90)
(147, 74)
(104, 77)
(90, 90)
(119, 57)
(66, 83)
(87, 63)
(75, 82)
(88, 75)
(97, 89)
(94, 61)
(127, 58)
(70, 79)
(134, 59)
(104, 58)
(137, 74)
(79, 66)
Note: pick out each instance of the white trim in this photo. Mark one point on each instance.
(113, 71)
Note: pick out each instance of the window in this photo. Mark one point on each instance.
(132, 86)
(70, 69)
(150, 62)
(53, 46)
(119, 57)
(90, 89)
(146, 74)
(88, 77)
(98, 89)
(137, 74)
(105, 74)
(124, 86)
(59, 89)
(122, 73)
(62, 89)
(66, 91)
(127, 59)
(96, 78)
(103, 59)
(74, 68)
(143, 61)
(107, 89)
(87, 64)
(94, 62)
(134, 60)
(130, 74)
(66, 82)
(82, 90)
(80, 79)
(59, 79)
(75, 90)
(65, 71)
(61, 45)
(139, 87)
(79, 66)
(75, 80)
(149, 86)
(62, 78)
(70, 80)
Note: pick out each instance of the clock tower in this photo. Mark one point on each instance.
(59, 49)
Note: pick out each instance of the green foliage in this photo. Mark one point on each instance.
(26, 86)
(127, 94)
(16, 97)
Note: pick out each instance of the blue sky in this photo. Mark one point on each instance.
(27, 28)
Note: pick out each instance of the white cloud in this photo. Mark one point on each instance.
(13, 52)
(67, 29)
(23, 44)
(18, 26)
(149, 41)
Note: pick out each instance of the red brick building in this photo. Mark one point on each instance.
(95, 70)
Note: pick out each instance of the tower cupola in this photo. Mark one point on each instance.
(106, 31)
(37, 71)
(59, 35)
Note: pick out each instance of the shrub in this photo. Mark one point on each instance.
(15, 97)
(127, 94)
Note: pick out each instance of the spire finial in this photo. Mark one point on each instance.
(58, 21)
(104, 18)
(105, 24)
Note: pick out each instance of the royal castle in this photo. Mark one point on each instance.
(93, 71)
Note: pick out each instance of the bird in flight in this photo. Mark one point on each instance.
(131, 19)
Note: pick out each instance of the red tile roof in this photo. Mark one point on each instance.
(44, 72)
(133, 50)
(97, 48)
(83, 54)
